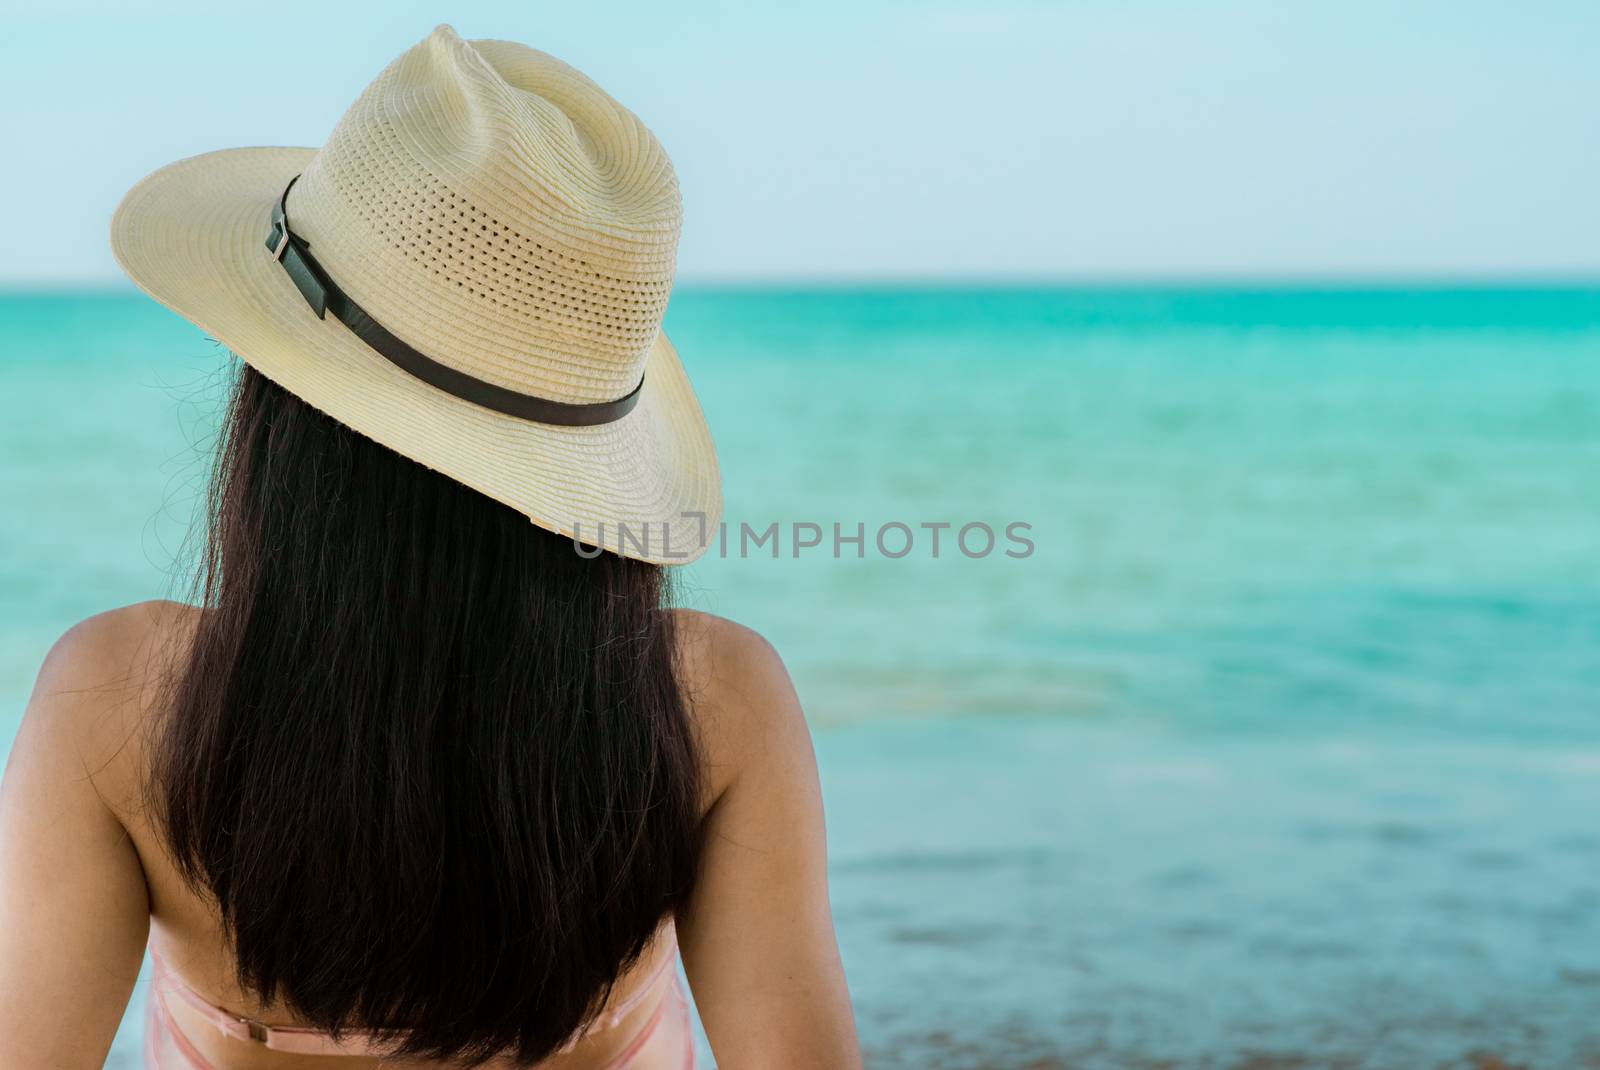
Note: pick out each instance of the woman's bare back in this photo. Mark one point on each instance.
(74, 826)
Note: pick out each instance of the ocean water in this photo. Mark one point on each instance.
(1280, 749)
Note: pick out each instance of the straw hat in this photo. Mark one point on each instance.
(472, 271)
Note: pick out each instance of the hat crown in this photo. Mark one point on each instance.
(495, 209)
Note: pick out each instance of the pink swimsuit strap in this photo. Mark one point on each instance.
(302, 1041)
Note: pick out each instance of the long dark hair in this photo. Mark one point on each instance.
(432, 765)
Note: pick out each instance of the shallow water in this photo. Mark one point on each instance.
(1280, 750)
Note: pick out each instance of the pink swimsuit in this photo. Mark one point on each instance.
(665, 1039)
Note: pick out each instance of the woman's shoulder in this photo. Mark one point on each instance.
(99, 682)
(742, 700)
(117, 654)
(127, 626)
(724, 664)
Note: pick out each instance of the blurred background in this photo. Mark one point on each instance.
(1280, 326)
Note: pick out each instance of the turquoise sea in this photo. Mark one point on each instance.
(1280, 750)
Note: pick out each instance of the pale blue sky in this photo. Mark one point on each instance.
(890, 140)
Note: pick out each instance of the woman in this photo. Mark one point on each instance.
(416, 782)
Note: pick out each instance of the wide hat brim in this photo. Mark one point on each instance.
(192, 236)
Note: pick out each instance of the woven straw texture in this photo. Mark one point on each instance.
(497, 211)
